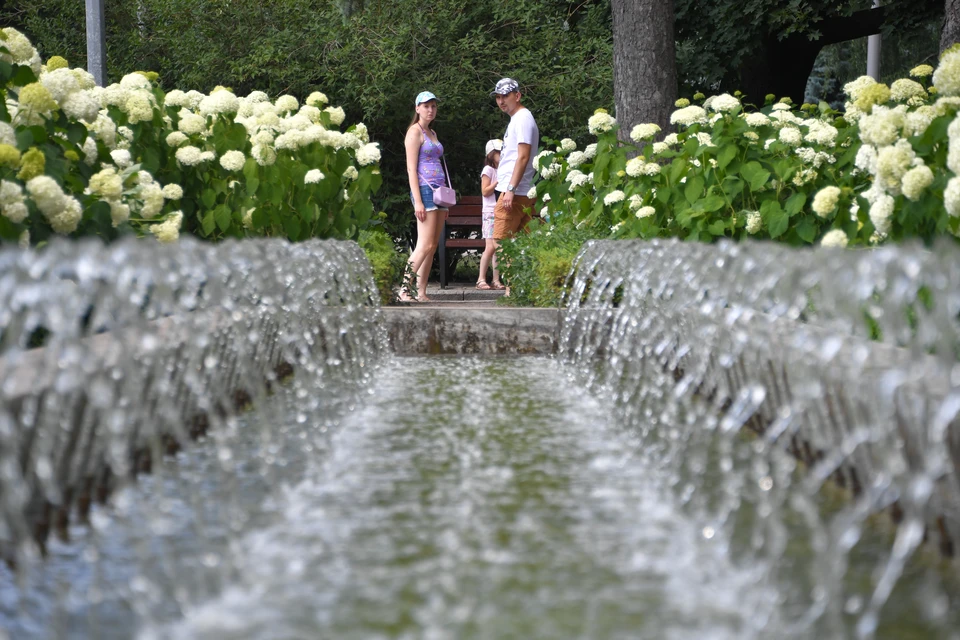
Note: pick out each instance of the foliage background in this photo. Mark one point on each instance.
(374, 61)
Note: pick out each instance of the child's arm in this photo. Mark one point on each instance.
(487, 186)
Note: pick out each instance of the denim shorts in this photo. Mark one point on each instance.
(426, 196)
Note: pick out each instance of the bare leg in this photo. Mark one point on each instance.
(485, 260)
(428, 233)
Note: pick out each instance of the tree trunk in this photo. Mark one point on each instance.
(644, 63)
(951, 24)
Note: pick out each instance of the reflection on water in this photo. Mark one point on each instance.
(445, 498)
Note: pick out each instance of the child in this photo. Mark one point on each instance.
(488, 183)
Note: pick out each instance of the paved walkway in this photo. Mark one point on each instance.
(456, 294)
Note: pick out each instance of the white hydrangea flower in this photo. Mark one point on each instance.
(689, 116)
(882, 126)
(264, 154)
(866, 159)
(169, 230)
(576, 158)
(317, 99)
(532, 193)
(590, 151)
(106, 183)
(705, 139)
(635, 167)
(660, 147)
(819, 132)
(893, 162)
(152, 196)
(21, 51)
(286, 103)
(368, 154)
(337, 115)
(232, 160)
(11, 202)
(880, 212)
(138, 107)
(134, 81)
(172, 191)
(255, 97)
(291, 140)
(359, 130)
(834, 238)
(947, 76)
(951, 197)
(916, 181)
(176, 138)
(219, 102)
(751, 136)
(538, 159)
(60, 83)
(754, 222)
(121, 158)
(825, 201)
(191, 124)
(119, 212)
(81, 106)
(551, 171)
(854, 88)
(790, 136)
(105, 129)
(351, 173)
(567, 145)
(577, 179)
(643, 132)
(916, 122)
(176, 98)
(724, 103)
(24, 240)
(781, 106)
(313, 176)
(645, 212)
(614, 197)
(7, 134)
(651, 169)
(189, 156)
(904, 89)
(601, 122)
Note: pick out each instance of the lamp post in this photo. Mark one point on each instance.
(873, 52)
(96, 41)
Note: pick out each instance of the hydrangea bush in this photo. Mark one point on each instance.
(128, 158)
(885, 169)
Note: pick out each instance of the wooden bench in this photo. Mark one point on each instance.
(464, 216)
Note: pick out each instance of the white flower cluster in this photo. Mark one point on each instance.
(63, 212)
(643, 132)
(601, 122)
(834, 238)
(168, 230)
(12, 206)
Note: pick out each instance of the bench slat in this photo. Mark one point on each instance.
(466, 243)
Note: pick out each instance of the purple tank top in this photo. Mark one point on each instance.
(429, 168)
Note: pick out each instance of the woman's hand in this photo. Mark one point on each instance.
(420, 211)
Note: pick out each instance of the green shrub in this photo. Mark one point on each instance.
(387, 263)
(76, 159)
(536, 264)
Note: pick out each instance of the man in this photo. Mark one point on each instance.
(515, 173)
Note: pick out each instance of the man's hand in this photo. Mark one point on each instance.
(506, 200)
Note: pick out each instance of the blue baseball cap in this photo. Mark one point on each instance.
(424, 96)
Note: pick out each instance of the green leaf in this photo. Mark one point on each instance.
(754, 173)
(291, 226)
(22, 76)
(795, 203)
(727, 154)
(694, 188)
(208, 198)
(711, 203)
(151, 160)
(807, 230)
(24, 139)
(776, 219)
(677, 168)
(717, 227)
(223, 217)
(252, 185)
(76, 133)
(208, 223)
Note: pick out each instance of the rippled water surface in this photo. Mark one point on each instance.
(450, 498)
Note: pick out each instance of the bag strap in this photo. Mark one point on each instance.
(446, 172)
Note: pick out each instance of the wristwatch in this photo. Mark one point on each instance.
(511, 188)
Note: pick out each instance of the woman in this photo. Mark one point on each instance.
(424, 171)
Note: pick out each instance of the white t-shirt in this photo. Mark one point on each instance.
(522, 129)
(490, 201)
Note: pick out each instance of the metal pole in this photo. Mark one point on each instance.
(96, 41)
(873, 52)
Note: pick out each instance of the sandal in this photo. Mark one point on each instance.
(483, 286)
(497, 286)
(404, 296)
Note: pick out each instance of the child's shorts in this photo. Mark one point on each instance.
(487, 226)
